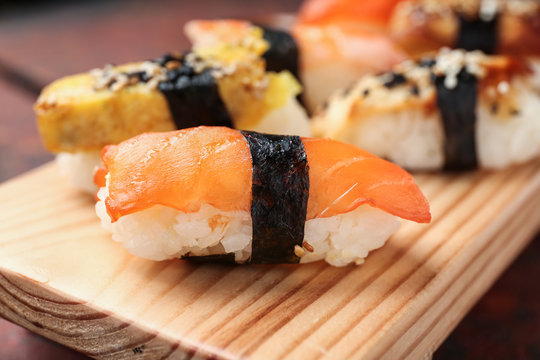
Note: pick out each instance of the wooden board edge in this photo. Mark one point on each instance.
(71, 322)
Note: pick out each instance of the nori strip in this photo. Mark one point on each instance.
(193, 98)
(283, 51)
(282, 54)
(217, 258)
(458, 112)
(477, 34)
(280, 193)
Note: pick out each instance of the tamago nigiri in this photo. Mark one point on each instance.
(216, 193)
(225, 84)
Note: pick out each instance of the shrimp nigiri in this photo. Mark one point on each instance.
(221, 194)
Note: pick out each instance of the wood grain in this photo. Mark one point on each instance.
(63, 277)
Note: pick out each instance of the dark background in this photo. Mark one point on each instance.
(41, 41)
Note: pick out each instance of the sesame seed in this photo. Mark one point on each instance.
(488, 10)
(359, 261)
(451, 62)
(393, 79)
(307, 246)
(120, 83)
(298, 251)
(503, 87)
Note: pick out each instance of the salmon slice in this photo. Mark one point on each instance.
(343, 177)
(211, 165)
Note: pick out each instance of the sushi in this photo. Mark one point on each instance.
(493, 26)
(219, 194)
(455, 110)
(341, 41)
(501, 27)
(324, 56)
(225, 84)
(345, 39)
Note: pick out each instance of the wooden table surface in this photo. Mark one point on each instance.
(41, 43)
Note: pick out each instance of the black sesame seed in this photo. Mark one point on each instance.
(395, 80)
(365, 93)
(515, 112)
(415, 90)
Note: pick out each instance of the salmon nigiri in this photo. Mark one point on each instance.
(221, 194)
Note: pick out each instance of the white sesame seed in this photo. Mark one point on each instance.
(299, 251)
(503, 87)
(488, 10)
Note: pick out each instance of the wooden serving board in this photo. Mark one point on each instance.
(62, 276)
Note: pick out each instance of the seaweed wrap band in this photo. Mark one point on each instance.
(280, 191)
(193, 97)
(216, 259)
(478, 34)
(283, 51)
(457, 106)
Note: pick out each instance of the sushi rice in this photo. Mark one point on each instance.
(413, 138)
(79, 168)
(161, 233)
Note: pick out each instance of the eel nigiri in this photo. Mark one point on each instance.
(224, 84)
(221, 194)
(501, 27)
(457, 110)
(506, 27)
